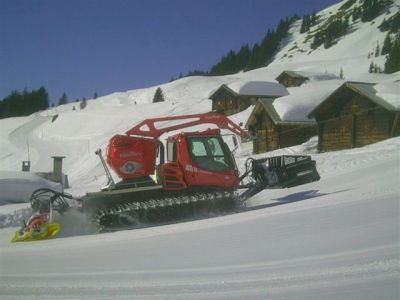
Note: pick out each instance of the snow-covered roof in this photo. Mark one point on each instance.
(386, 94)
(302, 100)
(254, 88)
(390, 93)
(294, 108)
(17, 187)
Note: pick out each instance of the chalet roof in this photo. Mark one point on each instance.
(385, 94)
(268, 105)
(307, 75)
(294, 108)
(389, 94)
(253, 88)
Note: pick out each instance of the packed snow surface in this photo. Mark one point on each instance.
(338, 238)
(333, 239)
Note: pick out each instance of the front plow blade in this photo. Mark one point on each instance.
(284, 171)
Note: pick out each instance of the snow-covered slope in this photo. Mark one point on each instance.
(353, 52)
(333, 239)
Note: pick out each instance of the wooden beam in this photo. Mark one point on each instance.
(395, 121)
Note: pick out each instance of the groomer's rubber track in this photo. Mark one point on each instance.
(165, 210)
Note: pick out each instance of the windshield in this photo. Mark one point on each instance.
(210, 153)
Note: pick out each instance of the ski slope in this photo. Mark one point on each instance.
(338, 238)
(333, 239)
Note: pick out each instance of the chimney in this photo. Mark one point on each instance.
(26, 166)
(57, 168)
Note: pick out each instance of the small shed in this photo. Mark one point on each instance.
(358, 114)
(297, 78)
(271, 132)
(237, 96)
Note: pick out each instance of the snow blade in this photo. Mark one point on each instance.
(285, 170)
(47, 231)
(277, 172)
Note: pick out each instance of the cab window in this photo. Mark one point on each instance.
(210, 153)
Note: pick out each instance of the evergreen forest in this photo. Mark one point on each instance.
(24, 103)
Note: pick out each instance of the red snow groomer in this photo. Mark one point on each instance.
(192, 174)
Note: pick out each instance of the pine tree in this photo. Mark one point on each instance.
(371, 67)
(63, 99)
(371, 9)
(83, 103)
(395, 26)
(392, 24)
(356, 14)
(25, 103)
(314, 19)
(387, 44)
(257, 56)
(377, 50)
(392, 63)
(305, 24)
(42, 99)
(341, 74)
(158, 96)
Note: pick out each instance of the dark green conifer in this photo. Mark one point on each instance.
(63, 99)
(158, 96)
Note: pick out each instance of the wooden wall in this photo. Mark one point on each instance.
(355, 122)
(291, 135)
(290, 81)
(270, 137)
(263, 131)
(229, 103)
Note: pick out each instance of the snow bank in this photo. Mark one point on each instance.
(17, 187)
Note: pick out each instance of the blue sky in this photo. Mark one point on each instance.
(86, 46)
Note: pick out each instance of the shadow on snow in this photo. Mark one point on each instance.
(295, 197)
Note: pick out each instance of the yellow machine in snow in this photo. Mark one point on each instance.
(38, 232)
(40, 225)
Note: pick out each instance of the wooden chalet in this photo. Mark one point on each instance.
(291, 79)
(355, 115)
(237, 96)
(297, 78)
(271, 132)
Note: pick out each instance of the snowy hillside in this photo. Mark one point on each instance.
(353, 52)
(338, 238)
